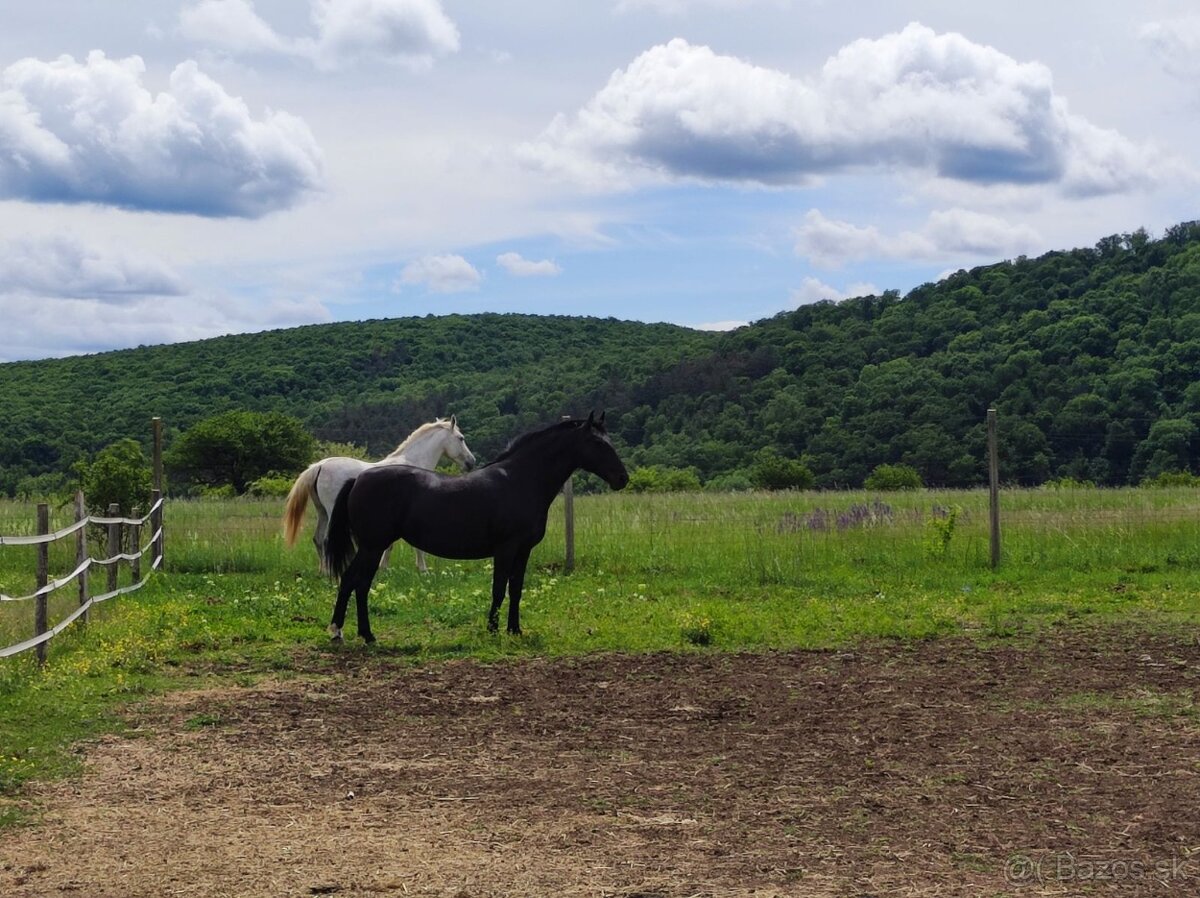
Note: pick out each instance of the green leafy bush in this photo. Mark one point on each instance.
(771, 471)
(1169, 479)
(893, 477)
(663, 479)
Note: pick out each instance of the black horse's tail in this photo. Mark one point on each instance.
(339, 544)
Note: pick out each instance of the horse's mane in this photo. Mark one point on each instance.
(522, 442)
(417, 434)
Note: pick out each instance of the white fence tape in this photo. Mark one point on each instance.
(50, 587)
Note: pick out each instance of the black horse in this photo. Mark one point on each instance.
(498, 510)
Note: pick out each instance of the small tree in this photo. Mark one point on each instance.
(118, 474)
(893, 477)
(771, 471)
(236, 448)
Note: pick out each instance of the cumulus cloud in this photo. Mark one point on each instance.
(917, 100)
(63, 266)
(813, 290)
(515, 264)
(55, 326)
(61, 296)
(1175, 44)
(90, 132)
(410, 33)
(946, 233)
(441, 274)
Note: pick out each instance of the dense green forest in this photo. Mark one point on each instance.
(1090, 355)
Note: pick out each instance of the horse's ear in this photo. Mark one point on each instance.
(591, 419)
(453, 421)
(601, 421)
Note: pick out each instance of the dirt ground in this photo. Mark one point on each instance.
(1069, 765)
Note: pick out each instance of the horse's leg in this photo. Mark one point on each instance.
(343, 599)
(370, 564)
(422, 567)
(501, 567)
(516, 582)
(319, 535)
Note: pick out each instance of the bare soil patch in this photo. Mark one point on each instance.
(1065, 766)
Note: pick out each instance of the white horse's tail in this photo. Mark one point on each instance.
(297, 502)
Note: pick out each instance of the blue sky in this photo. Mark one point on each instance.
(178, 169)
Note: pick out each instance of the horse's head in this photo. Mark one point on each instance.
(597, 454)
(454, 444)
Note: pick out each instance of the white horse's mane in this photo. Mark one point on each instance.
(419, 433)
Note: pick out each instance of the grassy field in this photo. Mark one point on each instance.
(694, 572)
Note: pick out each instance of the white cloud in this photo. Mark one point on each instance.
(441, 274)
(918, 100)
(812, 290)
(411, 33)
(721, 325)
(90, 132)
(61, 296)
(676, 7)
(947, 233)
(232, 25)
(519, 266)
(56, 326)
(1175, 44)
(63, 266)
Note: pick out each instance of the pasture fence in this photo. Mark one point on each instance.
(43, 632)
(114, 523)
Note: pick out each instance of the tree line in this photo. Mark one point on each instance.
(1089, 355)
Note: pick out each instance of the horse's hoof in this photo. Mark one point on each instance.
(368, 638)
(514, 631)
(335, 633)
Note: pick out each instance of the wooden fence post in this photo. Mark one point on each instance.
(156, 521)
(114, 546)
(40, 612)
(135, 543)
(569, 522)
(993, 487)
(81, 552)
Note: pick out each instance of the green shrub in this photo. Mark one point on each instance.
(893, 477)
(732, 482)
(272, 486)
(1068, 483)
(1168, 479)
(663, 479)
(771, 471)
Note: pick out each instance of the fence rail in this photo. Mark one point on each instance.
(45, 633)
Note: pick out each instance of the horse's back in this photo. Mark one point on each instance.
(447, 515)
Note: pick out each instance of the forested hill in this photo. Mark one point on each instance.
(1091, 357)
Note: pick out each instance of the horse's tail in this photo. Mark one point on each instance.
(297, 502)
(339, 545)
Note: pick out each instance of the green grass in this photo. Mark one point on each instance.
(696, 572)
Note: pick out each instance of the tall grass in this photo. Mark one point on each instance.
(691, 550)
(680, 572)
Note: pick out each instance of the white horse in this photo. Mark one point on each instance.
(321, 481)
